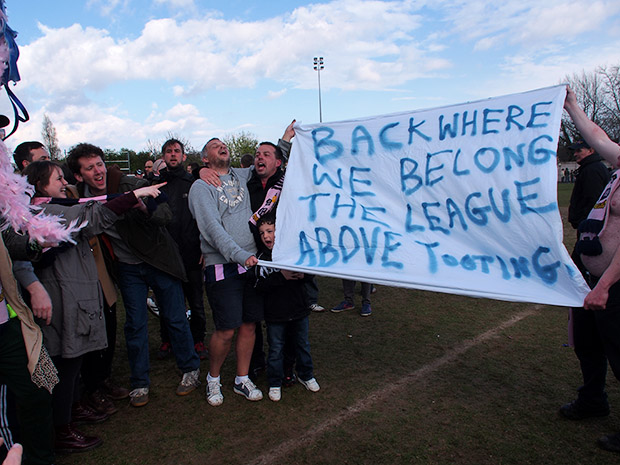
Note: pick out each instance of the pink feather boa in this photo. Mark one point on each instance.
(16, 211)
(15, 194)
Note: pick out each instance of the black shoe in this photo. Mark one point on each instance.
(99, 402)
(256, 370)
(82, 414)
(289, 381)
(114, 391)
(575, 410)
(69, 440)
(165, 349)
(611, 442)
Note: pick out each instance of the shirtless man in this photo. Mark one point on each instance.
(597, 324)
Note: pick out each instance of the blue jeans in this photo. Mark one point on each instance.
(134, 282)
(297, 330)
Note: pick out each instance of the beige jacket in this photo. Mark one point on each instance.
(42, 371)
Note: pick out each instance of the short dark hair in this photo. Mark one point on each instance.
(247, 160)
(279, 154)
(203, 152)
(82, 150)
(170, 142)
(267, 218)
(22, 152)
(38, 174)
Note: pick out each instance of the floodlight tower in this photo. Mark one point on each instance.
(318, 66)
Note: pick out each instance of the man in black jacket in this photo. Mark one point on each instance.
(184, 231)
(592, 177)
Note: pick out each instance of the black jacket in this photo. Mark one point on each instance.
(145, 234)
(256, 189)
(592, 177)
(183, 227)
(257, 197)
(284, 299)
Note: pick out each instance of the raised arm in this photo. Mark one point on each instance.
(593, 134)
(285, 142)
(289, 132)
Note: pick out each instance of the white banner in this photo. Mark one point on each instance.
(458, 199)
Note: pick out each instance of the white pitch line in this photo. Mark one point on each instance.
(313, 433)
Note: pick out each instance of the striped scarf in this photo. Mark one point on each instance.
(591, 228)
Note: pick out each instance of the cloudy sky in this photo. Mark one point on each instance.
(120, 73)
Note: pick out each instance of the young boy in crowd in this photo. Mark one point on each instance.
(285, 313)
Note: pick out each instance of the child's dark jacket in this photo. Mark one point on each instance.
(284, 299)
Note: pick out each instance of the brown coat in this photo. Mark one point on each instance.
(40, 366)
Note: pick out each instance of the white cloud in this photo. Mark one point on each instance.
(176, 3)
(71, 59)
(526, 71)
(105, 126)
(106, 7)
(366, 44)
(273, 94)
(361, 52)
(75, 124)
(525, 22)
(212, 52)
(182, 111)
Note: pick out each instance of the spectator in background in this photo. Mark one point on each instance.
(592, 177)
(27, 152)
(148, 170)
(184, 231)
(191, 167)
(348, 288)
(247, 160)
(158, 165)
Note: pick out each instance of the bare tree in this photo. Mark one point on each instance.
(187, 145)
(50, 140)
(154, 146)
(611, 102)
(598, 93)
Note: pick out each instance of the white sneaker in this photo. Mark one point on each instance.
(248, 390)
(214, 393)
(316, 308)
(311, 384)
(275, 393)
(189, 382)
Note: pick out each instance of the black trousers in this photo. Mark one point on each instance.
(97, 365)
(597, 343)
(34, 405)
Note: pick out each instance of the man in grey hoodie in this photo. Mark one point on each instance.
(228, 249)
